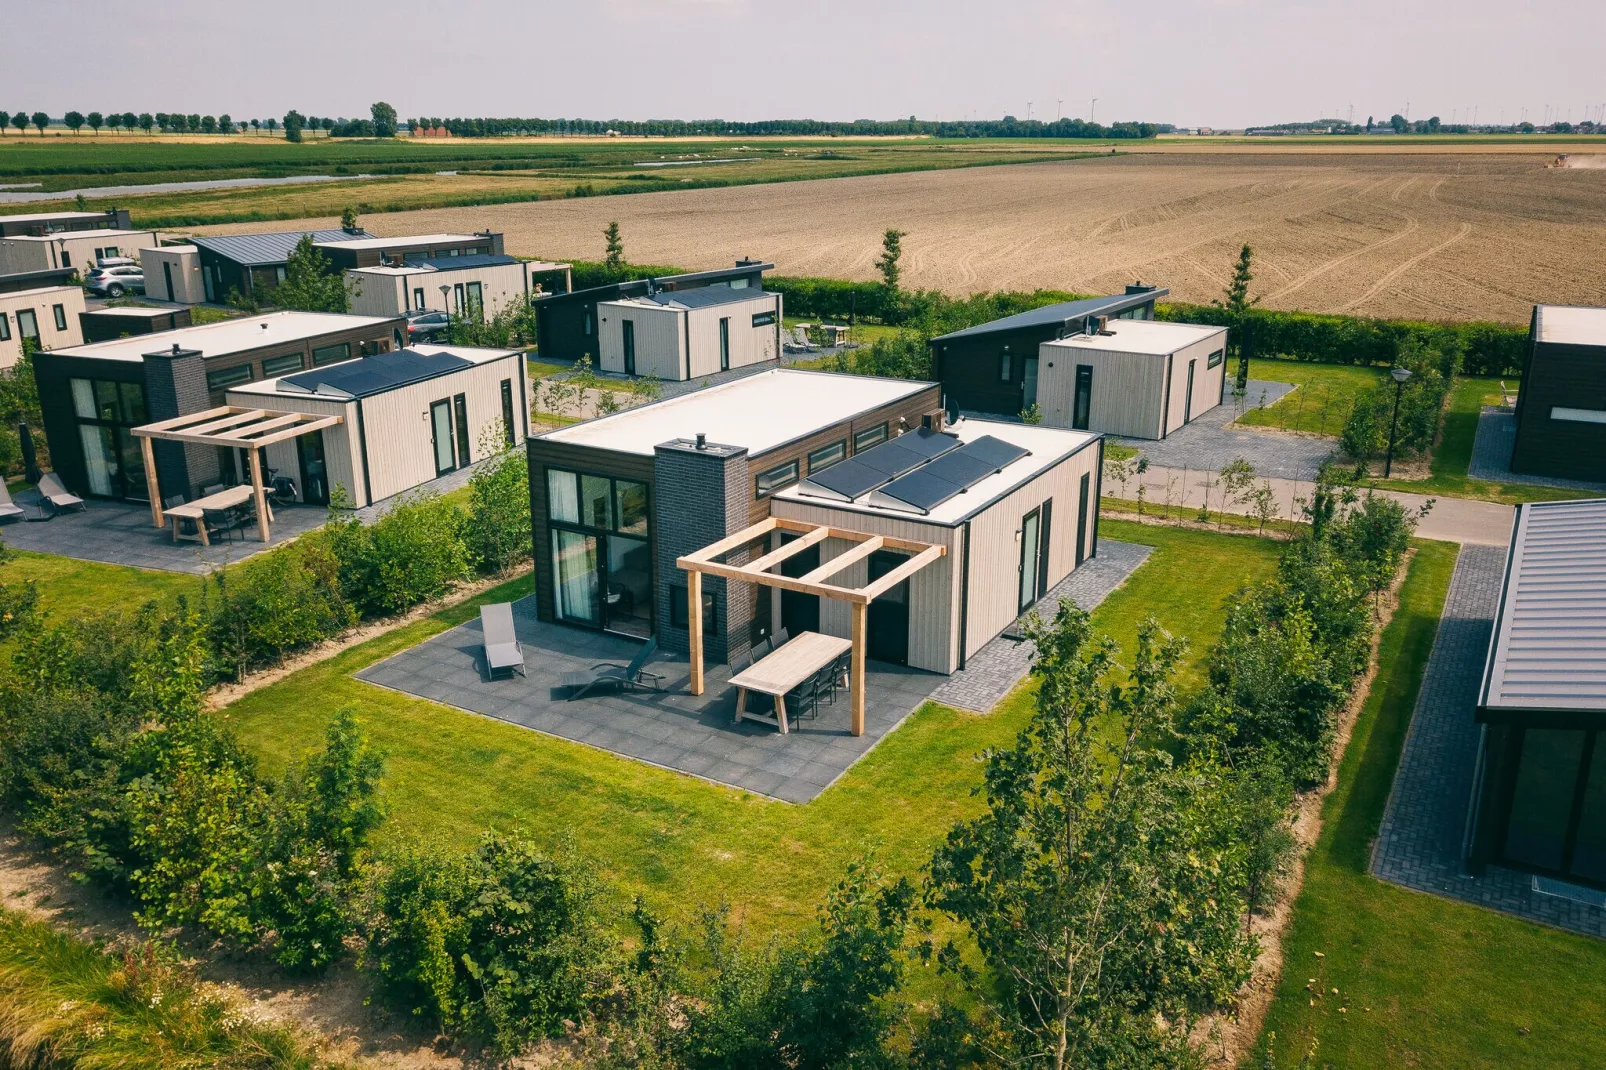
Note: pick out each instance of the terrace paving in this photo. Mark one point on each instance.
(1491, 454)
(1209, 442)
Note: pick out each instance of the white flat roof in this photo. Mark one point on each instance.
(1548, 651)
(1141, 336)
(226, 336)
(77, 234)
(474, 354)
(405, 239)
(1048, 446)
(38, 290)
(33, 217)
(1572, 325)
(132, 310)
(759, 411)
(168, 249)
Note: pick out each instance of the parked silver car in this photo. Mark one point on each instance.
(116, 280)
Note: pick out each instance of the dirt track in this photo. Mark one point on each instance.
(1441, 236)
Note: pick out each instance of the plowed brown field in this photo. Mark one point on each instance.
(1443, 236)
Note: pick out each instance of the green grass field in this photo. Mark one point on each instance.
(1421, 981)
(684, 842)
(68, 587)
(402, 174)
(1326, 394)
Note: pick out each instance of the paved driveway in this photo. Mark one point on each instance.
(1210, 442)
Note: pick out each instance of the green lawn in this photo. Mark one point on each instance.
(1421, 981)
(68, 587)
(678, 840)
(1326, 394)
(540, 369)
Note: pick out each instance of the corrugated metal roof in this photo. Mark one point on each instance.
(1063, 312)
(1549, 646)
(257, 249)
(367, 376)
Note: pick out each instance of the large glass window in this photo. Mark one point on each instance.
(27, 323)
(562, 496)
(630, 506)
(602, 561)
(106, 410)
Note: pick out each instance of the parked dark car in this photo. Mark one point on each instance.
(427, 326)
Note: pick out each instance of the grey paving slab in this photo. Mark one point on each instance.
(673, 729)
(1210, 441)
(996, 668)
(1419, 841)
(1491, 454)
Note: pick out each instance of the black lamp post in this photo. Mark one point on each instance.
(1400, 376)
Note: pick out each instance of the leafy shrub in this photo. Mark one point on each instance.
(498, 527)
(1421, 406)
(413, 553)
(281, 601)
(501, 946)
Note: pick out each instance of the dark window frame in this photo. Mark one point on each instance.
(788, 472)
(223, 378)
(343, 347)
(60, 312)
(581, 526)
(1006, 367)
(840, 445)
(509, 432)
(1215, 359)
(763, 319)
(870, 437)
(465, 451)
(5, 327)
(679, 617)
(280, 365)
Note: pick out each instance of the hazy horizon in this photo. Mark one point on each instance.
(1226, 63)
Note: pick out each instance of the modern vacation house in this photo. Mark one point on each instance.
(41, 223)
(976, 521)
(1561, 407)
(119, 321)
(566, 324)
(1539, 787)
(250, 264)
(77, 249)
(993, 367)
(688, 334)
(92, 396)
(370, 251)
(1136, 378)
(472, 285)
(173, 273)
(407, 417)
(47, 314)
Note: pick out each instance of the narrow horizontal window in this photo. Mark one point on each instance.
(763, 319)
(772, 480)
(826, 456)
(872, 437)
(1579, 416)
(1216, 358)
(226, 377)
(294, 362)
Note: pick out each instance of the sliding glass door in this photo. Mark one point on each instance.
(576, 577)
(601, 556)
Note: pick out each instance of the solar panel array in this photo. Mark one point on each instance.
(864, 472)
(951, 474)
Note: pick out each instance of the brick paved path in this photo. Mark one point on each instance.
(1211, 442)
(997, 667)
(1419, 841)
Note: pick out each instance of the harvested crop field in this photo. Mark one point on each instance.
(1439, 236)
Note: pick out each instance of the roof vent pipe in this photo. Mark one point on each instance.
(702, 439)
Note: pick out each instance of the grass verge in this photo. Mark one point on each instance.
(1375, 975)
(1326, 394)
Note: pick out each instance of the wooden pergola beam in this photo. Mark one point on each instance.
(796, 546)
(212, 427)
(297, 431)
(190, 418)
(730, 542)
(769, 579)
(902, 572)
(844, 560)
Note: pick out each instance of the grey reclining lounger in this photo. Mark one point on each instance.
(611, 675)
(60, 499)
(8, 508)
(502, 649)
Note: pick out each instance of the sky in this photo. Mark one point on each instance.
(1225, 63)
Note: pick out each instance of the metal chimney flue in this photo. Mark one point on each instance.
(702, 441)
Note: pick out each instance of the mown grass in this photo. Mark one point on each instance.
(68, 587)
(683, 842)
(1326, 394)
(65, 1002)
(1421, 981)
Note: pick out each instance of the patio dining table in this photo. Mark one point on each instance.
(791, 665)
(195, 511)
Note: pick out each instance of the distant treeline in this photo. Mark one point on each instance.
(1008, 126)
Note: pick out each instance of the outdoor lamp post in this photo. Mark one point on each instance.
(1400, 376)
(447, 308)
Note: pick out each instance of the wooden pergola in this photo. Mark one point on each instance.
(814, 582)
(230, 426)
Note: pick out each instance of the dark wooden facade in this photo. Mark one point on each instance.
(111, 219)
(566, 324)
(105, 324)
(344, 258)
(1567, 377)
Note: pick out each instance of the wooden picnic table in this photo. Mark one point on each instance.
(791, 665)
(195, 511)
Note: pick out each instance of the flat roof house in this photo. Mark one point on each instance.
(478, 284)
(407, 417)
(121, 321)
(688, 334)
(38, 223)
(793, 470)
(92, 396)
(173, 273)
(566, 324)
(1561, 407)
(77, 249)
(1137, 378)
(47, 314)
(254, 264)
(1539, 792)
(993, 367)
(371, 251)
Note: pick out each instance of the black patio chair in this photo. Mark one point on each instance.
(219, 524)
(779, 639)
(803, 701)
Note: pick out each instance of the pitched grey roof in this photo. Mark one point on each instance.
(1062, 313)
(367, 376)
(254, 250)
(1549, 646)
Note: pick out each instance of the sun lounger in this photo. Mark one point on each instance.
(56, 495)
(8, 508)
(502, 649)
(609, 674)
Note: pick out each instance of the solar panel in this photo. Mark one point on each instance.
(952, 473)
(866, 471)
